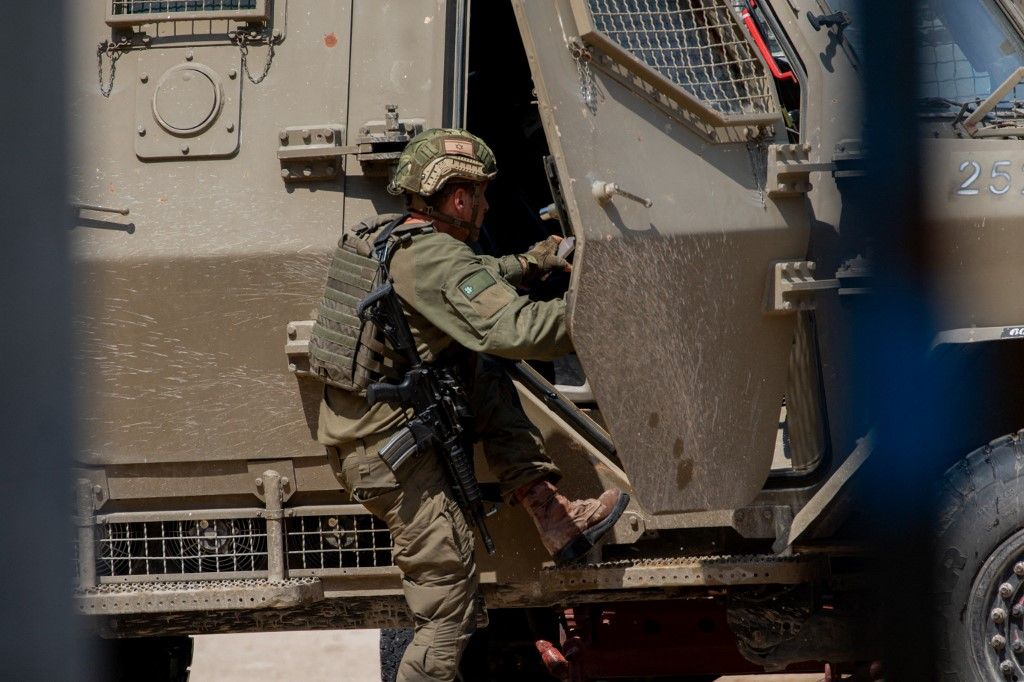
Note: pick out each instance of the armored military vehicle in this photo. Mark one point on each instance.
(700, 153)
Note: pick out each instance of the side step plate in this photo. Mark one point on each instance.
(198, 595)
(683, 572)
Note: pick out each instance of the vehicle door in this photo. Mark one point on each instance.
(660, 115)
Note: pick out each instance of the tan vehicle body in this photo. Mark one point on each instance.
(206, 505)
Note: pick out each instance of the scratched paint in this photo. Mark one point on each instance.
(184, 360)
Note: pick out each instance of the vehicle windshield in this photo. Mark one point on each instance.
(968, 47)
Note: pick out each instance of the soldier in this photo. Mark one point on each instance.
(459, 305)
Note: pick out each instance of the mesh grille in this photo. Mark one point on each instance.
(130, 7)
(181, 547)
(357, 541)
(696, 44)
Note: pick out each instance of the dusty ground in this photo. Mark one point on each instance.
(334, 655)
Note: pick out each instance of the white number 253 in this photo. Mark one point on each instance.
(1001, 179)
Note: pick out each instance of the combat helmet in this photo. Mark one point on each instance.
(437, 156)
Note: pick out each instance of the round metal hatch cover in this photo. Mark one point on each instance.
(187, 99)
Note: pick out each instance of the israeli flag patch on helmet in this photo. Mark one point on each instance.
(454, 145)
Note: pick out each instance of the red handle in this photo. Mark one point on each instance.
(763, 47)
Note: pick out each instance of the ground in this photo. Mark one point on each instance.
(326, 656)
(280, 656)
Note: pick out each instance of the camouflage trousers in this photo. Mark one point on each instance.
(433, 547)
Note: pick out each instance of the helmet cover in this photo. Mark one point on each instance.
(438, 155)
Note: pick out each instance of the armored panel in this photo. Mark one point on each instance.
(186, 298)
(667, 295)
(219, 254)
(694, 51)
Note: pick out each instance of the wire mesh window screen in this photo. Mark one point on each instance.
(696, 44)
(129, 7)
(356, 541)
(182, 547)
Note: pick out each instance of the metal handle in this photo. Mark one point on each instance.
(100, 209)
(838, 19)
(604, 191)
(550, 212)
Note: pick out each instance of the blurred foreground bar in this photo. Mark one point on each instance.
(36, 401)
(892, 338)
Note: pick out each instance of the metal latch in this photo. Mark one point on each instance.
(311, 153)
(297, 347)
(792, 284)
(380, 143)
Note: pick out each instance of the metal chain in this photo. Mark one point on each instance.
(113, 52)
(757, 151)
(582, 55)
(243, 41)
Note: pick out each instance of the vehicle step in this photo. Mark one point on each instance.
(198, 595)
(701, 571)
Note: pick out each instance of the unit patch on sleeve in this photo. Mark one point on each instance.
(485, 295)
(476, 283)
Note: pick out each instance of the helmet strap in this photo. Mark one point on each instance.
(478, 192)
(418, 204)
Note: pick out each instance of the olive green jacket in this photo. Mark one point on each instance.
(451, 296)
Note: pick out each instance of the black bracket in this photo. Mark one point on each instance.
(838, 19)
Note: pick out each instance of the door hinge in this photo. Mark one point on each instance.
(790, 167)
(789, 170)
(792, 284)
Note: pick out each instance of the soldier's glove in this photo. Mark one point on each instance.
(543, 258)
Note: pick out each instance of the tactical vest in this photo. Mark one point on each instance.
(344, 351)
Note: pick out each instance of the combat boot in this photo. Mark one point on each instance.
(570, 529)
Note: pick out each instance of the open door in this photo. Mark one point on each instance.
(659, 114)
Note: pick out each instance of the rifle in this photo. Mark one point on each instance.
(435, 396)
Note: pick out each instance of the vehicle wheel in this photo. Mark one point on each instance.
(160, 659)
(393, 643)
(980, 582)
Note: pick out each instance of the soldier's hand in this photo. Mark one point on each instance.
(543, 258)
